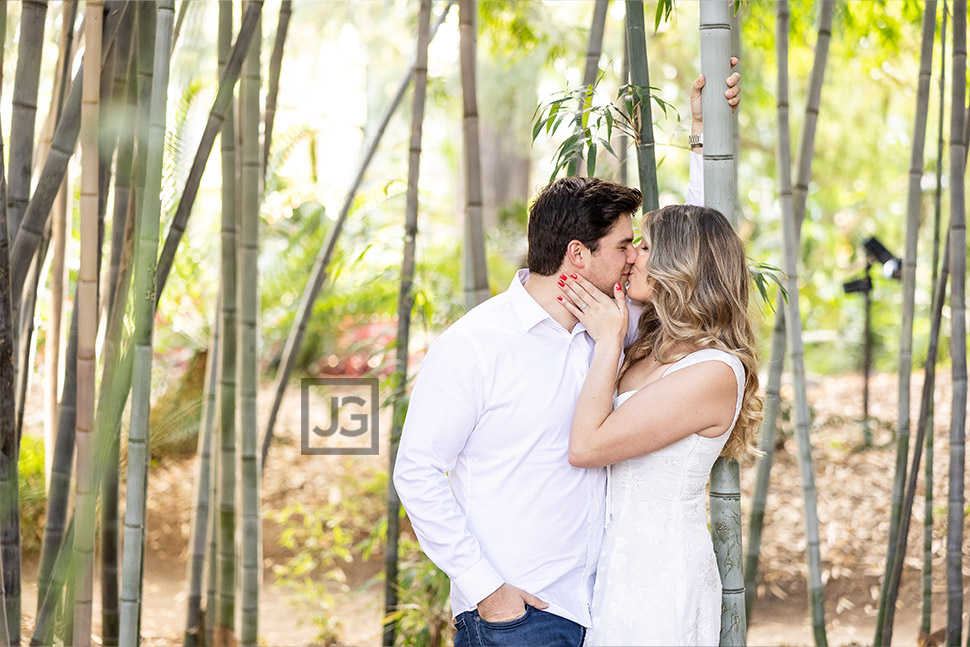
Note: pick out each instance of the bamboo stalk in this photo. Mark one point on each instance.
(929, 368)
(217, 115)
(200, 512)
(640, 78)
(405, 299)
(475, 268)
(887, 596)
(778, 344)
(247, 296)
(594, 49)
(221, 614)
(24, 113)
(273, 90)
(319, 272)
(794, 326)
(35, 218)
(720, 192)
(9, 451)
(144, 307)
(86, 494)
(958, 341)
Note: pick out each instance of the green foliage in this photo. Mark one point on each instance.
(424, 611)
(33, 495)
(577, 108)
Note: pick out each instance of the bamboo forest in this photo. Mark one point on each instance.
(231, 230)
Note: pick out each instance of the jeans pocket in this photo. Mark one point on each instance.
(505, 624)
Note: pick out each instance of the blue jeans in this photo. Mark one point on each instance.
(536, 628)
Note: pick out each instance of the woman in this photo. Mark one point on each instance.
(687, 393)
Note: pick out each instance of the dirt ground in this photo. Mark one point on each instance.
(853, 505)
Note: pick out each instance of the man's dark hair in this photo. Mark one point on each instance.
(574, 208)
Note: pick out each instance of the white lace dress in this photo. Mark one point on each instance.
(657, 581)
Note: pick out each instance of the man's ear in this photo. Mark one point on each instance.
(577, 254)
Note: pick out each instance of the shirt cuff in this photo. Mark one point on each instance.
(478, 582)
(695, 181)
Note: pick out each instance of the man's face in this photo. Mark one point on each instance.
(612, 262)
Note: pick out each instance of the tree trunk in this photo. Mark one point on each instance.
(642, 113)
(144, 309)
(884, 618)
(275, 63)
(720, 192)
(794, 325)
(958, 341)
(475, 269)
(319, 272)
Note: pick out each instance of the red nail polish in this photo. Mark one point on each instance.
(617, 286)
(574, 276)
(562, 276)
(560, 298)
(561, 284)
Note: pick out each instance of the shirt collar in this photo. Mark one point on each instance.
(528, 310)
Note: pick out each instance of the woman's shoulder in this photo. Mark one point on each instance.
(706, 355)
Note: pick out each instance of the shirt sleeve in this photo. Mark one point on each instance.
(695, 180)
(445, 405)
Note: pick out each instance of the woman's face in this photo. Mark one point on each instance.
(641, 285)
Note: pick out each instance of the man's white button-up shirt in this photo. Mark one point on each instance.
(482, 467)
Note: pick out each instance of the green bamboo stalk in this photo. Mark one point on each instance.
(46, 611)
(958, 341)
(778, 344)
(887, 596)
(35, 218)
(247, 370)
(475, 268)
(227, 83)
(221, 615)
(621, 146)
(273, 90)
(594, 49)
(24, 114)
(405, 299)
(52, 344)
(794, 326)
(720, 192)
(319, 272)
(769, 425)
(86, 494)
(929, 368)
(61, 468)
(144, 307)
(200, 513)
(640, 79)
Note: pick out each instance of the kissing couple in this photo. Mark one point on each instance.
(560, 435)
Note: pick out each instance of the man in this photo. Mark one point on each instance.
(482, 468)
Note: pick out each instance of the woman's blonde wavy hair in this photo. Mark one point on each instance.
(700, 300)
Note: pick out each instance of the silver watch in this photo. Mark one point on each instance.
(696, 141)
